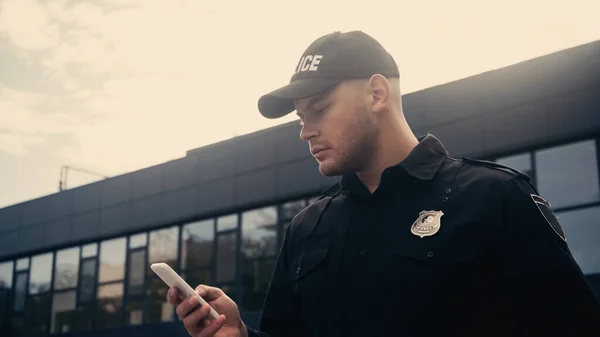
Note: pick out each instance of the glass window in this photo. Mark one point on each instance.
(109, 305)
(138, 240)
(159, 310)
(568, 175)
(227, 222)
(112, 260)
(582, 230)
(256, 276)
(6, 275)
(20, 291)
(163, 247)
(37, 314)
(63, 312)
(40, 274)
(67, 268)
(135, 313)
(197, 244)
(521, 162)
(6, 278)
(198, 277)
(88, 280)
(18, 325)
(290, 209)
(137, 264)
(23, 264)
(89, 250)
(83, 318)
(226, 257)
(259, 232)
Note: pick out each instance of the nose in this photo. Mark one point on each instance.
(308, 131)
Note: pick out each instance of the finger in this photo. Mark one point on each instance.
(186, 307)
(173, 296)
(194, 321)
(209, 293)
(212, 329)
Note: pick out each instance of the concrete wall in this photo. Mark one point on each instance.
(549, 99)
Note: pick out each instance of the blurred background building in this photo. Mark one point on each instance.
(76, 262)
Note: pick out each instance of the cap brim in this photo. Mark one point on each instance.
(280, 102)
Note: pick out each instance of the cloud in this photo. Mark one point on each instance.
(24, 122)
(27, 25)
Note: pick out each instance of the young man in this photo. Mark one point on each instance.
(411, 242)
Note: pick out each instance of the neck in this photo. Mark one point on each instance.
(394, 143)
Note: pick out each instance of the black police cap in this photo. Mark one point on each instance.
(328, 61)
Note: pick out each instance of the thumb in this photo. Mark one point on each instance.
(209, 293)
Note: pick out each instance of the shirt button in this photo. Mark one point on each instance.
(429, 254)
(363, 252)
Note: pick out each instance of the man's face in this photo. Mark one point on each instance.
(338, 128)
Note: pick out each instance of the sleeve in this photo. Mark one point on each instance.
(548, 294)
(280, 314)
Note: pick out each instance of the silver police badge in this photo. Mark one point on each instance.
(427, 224)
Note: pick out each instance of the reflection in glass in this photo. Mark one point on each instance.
(135, 313)
(20, 291)
(109, 305)
(88, 280)
(67, 268)
(18, 325)
(582, 230)
(568, 175)
(37, 313)
(112, 260)
(196, 278)
(521, 162)
(138, 240)
(40, 273)
(83, 318)
(259, 232)
(89, 250)
(23, 264)
(163, 247)
(137, 264)
(159, 310)
(227, 222)
(197, 244)
(226, 257)
(256, 276)
(63, 312)
(6, 275)
(290, 209)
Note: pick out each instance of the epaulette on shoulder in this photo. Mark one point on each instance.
(494, 165)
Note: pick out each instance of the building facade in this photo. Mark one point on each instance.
(76, 263)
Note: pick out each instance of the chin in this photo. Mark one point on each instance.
(330, 169)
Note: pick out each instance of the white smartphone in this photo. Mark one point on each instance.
(173, 280)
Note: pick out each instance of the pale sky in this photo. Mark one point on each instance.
(114, 86)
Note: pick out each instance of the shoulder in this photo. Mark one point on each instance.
(492, 170)
(303, 222)
(523, 209)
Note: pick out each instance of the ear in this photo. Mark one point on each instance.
(379, 92)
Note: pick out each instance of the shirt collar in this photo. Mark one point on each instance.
(423, 162)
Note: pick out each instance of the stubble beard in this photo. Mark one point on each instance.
(354, 153)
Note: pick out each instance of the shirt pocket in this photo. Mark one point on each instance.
(309, 271)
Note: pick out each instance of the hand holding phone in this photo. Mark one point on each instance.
(173, 280)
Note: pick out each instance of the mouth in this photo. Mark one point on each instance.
(318, 152)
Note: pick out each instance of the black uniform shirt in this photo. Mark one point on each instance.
(443, 247)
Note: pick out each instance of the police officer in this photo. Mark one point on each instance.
(410, 242)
